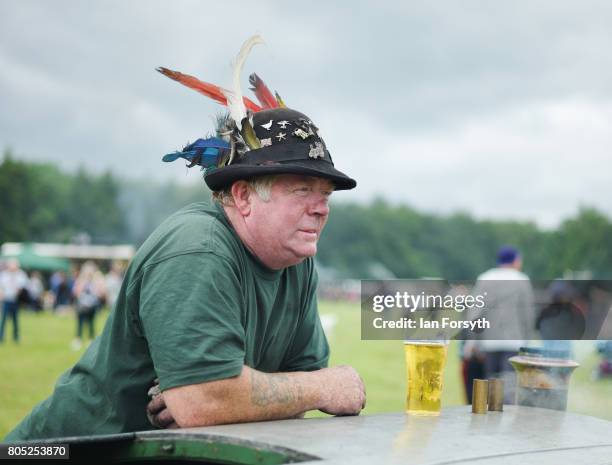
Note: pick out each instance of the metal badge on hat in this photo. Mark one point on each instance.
(301, 133)
(317, 151)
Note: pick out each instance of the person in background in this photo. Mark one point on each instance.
(604, 368)
(561, 320)
(12, 282)
(62, 291)
(56, 279)
(89, 295)
(511, 311)
(113, 281)
(36, 290)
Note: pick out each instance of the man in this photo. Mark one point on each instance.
(220, 305)
(13, 281)
(510, 309)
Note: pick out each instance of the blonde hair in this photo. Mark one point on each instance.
(261, 185)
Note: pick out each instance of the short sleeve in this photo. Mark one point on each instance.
(190, 310)
(309, 350)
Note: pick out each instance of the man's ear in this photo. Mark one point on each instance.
(241, 193)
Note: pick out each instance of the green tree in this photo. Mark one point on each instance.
(41, 203)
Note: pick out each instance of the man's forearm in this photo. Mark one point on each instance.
(252, 396)
(293, 390)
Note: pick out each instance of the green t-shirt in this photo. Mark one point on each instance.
(195, 306)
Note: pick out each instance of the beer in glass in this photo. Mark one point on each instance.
(425, 361)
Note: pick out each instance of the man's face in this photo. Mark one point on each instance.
(518, 263)
(12, 265)
(288, 226)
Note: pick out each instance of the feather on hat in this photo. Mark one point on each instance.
(255, 139)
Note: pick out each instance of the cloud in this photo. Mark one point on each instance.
(499, 109)
(538, 162)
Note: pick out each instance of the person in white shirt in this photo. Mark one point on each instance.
(12, 281)
(36, 290)
(510, 308)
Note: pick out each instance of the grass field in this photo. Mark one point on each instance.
(28, 370)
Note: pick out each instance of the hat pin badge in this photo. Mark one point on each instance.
(301, 133)
(316, 151)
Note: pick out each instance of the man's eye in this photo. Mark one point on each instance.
(302, 190)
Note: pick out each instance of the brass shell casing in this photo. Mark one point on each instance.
(496, 395)
(480, 394)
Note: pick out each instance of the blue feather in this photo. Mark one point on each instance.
(203, 152)
(210, 142)
(172, 156)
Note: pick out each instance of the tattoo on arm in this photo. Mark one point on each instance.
(274, 388)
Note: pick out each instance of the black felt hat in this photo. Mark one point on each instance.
(290, 144)
(255, 139)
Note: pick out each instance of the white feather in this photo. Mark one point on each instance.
(235, 104)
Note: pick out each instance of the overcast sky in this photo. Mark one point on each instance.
(501, 109)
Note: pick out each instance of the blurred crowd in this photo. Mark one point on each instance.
(83, 291)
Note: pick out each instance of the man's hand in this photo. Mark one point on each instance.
(157, 412)
(343, 391)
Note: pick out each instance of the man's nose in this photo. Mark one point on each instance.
(320, 205)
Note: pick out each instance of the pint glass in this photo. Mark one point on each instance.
(425, 362)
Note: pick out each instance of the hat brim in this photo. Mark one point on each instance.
(220, 178)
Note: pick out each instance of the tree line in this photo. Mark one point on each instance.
(412, 244)
(40, 203)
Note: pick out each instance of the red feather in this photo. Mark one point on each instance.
(205, 88)
(263, 94)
